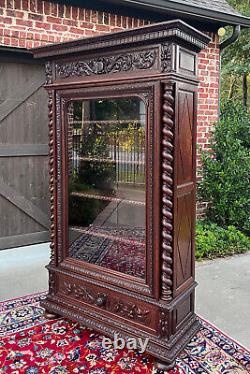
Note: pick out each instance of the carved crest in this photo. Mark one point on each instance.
(106, 65)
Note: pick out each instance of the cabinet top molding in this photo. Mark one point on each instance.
(176, 30)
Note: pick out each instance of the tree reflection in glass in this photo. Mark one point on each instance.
(106, 146)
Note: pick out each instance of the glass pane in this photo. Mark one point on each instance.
(106, 145)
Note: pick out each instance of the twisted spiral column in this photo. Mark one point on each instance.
(167, 191)
(51, 180)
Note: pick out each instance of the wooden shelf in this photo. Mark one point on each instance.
(106, 235)
(107, 198)
(111, 161)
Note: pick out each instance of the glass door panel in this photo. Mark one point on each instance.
(107, 213)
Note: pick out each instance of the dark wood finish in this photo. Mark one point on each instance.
(158, 64)
(23, 151)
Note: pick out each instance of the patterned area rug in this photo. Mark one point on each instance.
(32, 345)
(118, 248)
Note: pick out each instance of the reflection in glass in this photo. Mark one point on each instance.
(106, 145)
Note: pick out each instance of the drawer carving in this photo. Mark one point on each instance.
(84, 294)
(126, 309)
(132, 311)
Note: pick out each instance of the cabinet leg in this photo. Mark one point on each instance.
(164, 366)
(49, 315)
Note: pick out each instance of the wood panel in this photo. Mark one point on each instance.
(185, 186)
(23, 154)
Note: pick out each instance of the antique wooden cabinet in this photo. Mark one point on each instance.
(122, 138)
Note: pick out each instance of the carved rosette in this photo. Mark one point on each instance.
(51, 180)
(167, 191)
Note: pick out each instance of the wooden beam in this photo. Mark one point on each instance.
(13, 241)
(9, 105)
(23, 204)
(15, 150)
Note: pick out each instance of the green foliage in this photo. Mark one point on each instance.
(226, 170)
(93, 172)
(235, 63)
(214, 241)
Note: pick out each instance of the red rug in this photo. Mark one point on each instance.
(32, 345)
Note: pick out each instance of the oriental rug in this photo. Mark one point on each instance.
(118, 248)
(30, 344)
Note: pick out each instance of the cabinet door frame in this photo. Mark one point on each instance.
(149, 93)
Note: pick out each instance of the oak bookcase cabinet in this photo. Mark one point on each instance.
(122, 164)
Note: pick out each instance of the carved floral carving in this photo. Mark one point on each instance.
(164, 325)
(83, 293)
(124, 309)
(166, 57)
(48, 72)
(109, 64)
(131, 311)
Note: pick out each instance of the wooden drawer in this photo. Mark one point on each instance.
(117, 305)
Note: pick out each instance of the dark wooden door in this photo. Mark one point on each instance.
(23, 152)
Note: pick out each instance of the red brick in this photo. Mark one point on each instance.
(75, 30)
(60, 10)
(39, 6)
(43, 25)
(54, 20)
(24, 22)
(118, 21)
(112, 20)
(59, 28)
(87, 15)
(17, 4)
(69, 22)
(10, 4)
(14, 13)
(68, 11)
(32, 5)
(94, 16)
(75, 13)
(86, 25)
(6, 20)
(54, 9)
(124, 22)
(46, 7)
(106, 18)
(104, 28)
(36, 17)
(25, 4)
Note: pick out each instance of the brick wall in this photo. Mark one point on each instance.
(208, 102)
(30, 23)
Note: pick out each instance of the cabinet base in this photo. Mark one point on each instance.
(164, 366)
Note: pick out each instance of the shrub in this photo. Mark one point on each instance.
(214, 241)
(226, 170)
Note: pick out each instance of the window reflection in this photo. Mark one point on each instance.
(106, 146)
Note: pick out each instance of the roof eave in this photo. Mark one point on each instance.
(198, 14)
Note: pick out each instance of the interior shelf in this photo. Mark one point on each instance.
(93, 231)
(107, 198)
